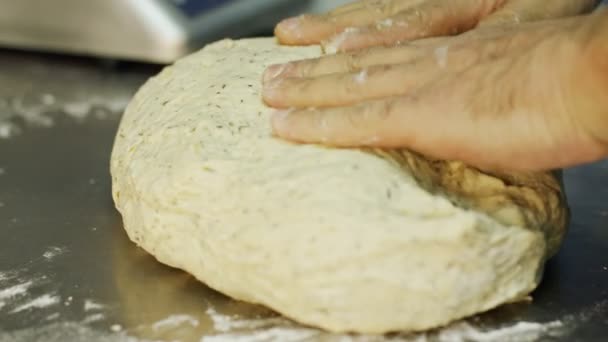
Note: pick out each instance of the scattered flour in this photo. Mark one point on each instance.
(14, 291)
(174, 321)
(231, 329)
(93, 318)
(48, 99)
(39, 111)
(90, 305)
(64, 332)
(361, 77)
(5, 276)
(519, 332)
(52, 316)
(384, 24)
(53, 252)
(333, 46)
(441, 56)
(41, 302)
(271, 334)
(2, 171)
(8, 129)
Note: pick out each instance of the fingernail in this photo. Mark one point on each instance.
(274, 71)
(271, 87)
(290, 25)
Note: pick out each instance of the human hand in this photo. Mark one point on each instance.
(366, 23)
(531, 97)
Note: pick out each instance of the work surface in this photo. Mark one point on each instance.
(69, 273)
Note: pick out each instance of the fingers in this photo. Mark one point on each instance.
(428, 19)
(440, 126)
(312, 29)
(345, 62)
(365, 124)
(343, 80)
(338, 89)
(345, 88)
(517, 11)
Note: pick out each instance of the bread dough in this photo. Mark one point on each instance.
(343, 239)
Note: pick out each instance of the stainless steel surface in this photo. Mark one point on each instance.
(68, 272)
(148, 30)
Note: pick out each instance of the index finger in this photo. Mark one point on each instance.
(313, 29)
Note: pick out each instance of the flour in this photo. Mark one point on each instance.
(272, 334)
(269, 329)
(597, 310)
(41, 111)
(14, 291)
(90, 305)
(384, 24)
(62, 332)
(519, 332)
(4, 276)
(19, 293)
(93, 318)
(333, 46)
(174, 321)
(8, 129)
(231, 329)
(225, 323)
(52, 252)
(441, 56)
(41, 302)
(52, 316)
(361, 77)
(68, 301)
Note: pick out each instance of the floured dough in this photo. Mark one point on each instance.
(346, 240)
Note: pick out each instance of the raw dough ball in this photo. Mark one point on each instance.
(346, 240)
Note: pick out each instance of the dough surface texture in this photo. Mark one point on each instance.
(347, 240)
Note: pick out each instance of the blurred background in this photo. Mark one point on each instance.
(145, 30)
(68, 69)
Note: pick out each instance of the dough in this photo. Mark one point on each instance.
(347, 240)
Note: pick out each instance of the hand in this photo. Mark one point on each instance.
(530, 97)
(368, 23)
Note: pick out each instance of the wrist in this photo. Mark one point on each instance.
(590, 77)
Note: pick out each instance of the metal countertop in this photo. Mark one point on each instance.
(68, 271)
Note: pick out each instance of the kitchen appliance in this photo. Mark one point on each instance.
(148, 30)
